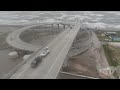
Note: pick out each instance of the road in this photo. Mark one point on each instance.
(14, 40)
(52, 63)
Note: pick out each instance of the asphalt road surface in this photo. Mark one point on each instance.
(14, 40)
(51, 64)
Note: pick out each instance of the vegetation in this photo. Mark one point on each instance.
(112, 55)
(118, 33)
(102, 38)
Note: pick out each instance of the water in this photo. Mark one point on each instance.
(7, 64)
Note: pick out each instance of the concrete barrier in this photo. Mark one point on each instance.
(7, 76)
(74, 76)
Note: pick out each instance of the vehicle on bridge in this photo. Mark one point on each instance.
(71, 27)
(36, 61)
(26, 56)
(46, 52)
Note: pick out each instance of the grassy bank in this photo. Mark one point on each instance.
(112, 55)
(102, 38)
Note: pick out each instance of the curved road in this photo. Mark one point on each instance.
(14, 40)
(51, 64)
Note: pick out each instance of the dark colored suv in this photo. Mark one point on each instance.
(36, 61)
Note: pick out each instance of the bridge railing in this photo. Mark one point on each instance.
(7, 76)
(74, 76)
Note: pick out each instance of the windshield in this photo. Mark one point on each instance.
(34, 61)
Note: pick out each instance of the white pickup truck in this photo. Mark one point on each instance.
(45, 52)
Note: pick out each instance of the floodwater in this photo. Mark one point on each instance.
(7, 64)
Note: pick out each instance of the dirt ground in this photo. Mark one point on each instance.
(83, 64)
(89, 62)
(114, 44)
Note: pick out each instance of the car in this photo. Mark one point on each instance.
(36, 61)
(26, 56)
(71, 27)
(46, 51)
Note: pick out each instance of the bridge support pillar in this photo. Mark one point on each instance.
(52, 25)
(52, 28)
(68, 25)
(58, 26)
(64, 26)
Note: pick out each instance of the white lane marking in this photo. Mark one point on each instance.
(49, 46)
(60, 66)
(58, 37)
(21, 73)
(28, 67)
(57, 58)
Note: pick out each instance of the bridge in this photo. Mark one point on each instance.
(14, 40)
(52, 63)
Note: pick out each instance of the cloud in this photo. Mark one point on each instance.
(116, 13)
(101, 25)
(95, 25)
(99, 15)
(111, 12)
(95, 20)
(14, 22)
(92, 14)
(117, 26)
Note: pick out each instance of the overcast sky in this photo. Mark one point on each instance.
(95, 18)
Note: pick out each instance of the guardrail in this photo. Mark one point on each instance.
(23, 62)
(78, 76)
(7, 76)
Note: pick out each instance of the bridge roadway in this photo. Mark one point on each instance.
(51, 64)
(14, 40)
